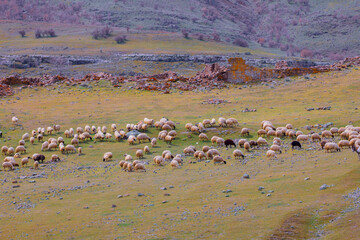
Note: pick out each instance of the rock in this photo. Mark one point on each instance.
(260, 188)
(246, 176)
(60, 198)
(119, 196)
(324, 186)
(163, 188)
(140, 194)
(164, 201)
(307, 178)
(86, 207)
(227, 195)
(268, 195)
(113, 206)
(171, 186)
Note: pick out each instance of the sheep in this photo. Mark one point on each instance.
(289, 126)
(220, 142)
(67, 134)
(125, 165)
(140, 167)
(121, 163)
(4, 150)
(25, 161)
(166, 127)
(165, 152)
(108, 136)
(70, 148)
(241, 142)
(302, 138)
(315, 137)
(168, 156)
(206, 123)
(17, 155)
(332, 147)
(153, 142)
(7, 165)
(10, 151)
(178, 159)
(222, 122)
(168, 139)
(139, 154)
(113, 127)
(52, 146)
(211, 153)
(277, 141)
(149, 122)
(146, 149)
(159, 160)
(261, 133)
(174, 164)
(270, 154)
(25, 137)
(158, 125)
(36, 165)
(276, 148)
(14, 120)
(322, 143)
(261, 141)
(107, 156)
(32, 140)
(327, 134)
(56, 128)
(49, 130)
(195, 129)
(99, 135)
(213, 122)
(271, 133)
(247, 146)
(188, 151)
(55, 158)
(290, 133)
(298, 133)
(62, 147)
(199, 155)
(295, 144)
(334, 131)
(214, 139)
(79, 151)
(162, 135)
(279, 133)
(188, 126)
(203, 137)
(20, 149)
(230, 143)
(9, 159)
(42, 131)
(205, 149)
(344, 143)
(238, 154)
(131, 140)
(38, 157)
(245, 132)
(219, 159)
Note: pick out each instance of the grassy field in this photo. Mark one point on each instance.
(77, 198)
(77, 40)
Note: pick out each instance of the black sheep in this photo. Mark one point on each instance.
(230, 143)
(295, 144)
(40, 158)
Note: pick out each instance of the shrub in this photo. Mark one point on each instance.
(102, 33)
(38, 33)
(306, 53)
(241, 42)
(216, 37)
(22, 33)
(185, 34)
(120, 39)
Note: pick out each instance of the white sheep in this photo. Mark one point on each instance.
(14, 120)
(20, 149)
(174, 164)
(128, 157)
(276, 148)
(203, 137)
(139, 154)
(153, 142)
(25, 161)
(146, 149)
(219, 159)
(36, 165)
(302, 138)
(159, 160)
(26, 136)
(79, 150)
(10, 151)
(238, 154)
(70, 148)
(107, 156)
(139, 167)
(32, 140)
(55, 158)
(7, 165)
(271, 154)
(132, 139)
(142, 137)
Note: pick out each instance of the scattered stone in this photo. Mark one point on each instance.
(246, 176)
(260, 188)
(163, 188)
(268, 195)
(164, 201)
(171, 186)
(119, 196)
(307, 178)
(324, 186)
(140, 194)
(113, 206)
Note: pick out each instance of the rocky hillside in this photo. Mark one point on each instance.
(307, 28)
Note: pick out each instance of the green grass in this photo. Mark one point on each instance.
(196, 207)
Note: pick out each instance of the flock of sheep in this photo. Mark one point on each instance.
(350, 138)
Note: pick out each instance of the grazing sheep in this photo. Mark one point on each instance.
(130, 167)
(149, 122)
(168, 139)
(168, 156)
(25, 161)
(276, 148)
(277, 141)
(295, 144)
(52, 146)
(7, 165)
(131, 140)
(203, 137)
(140, 167)
(166, 127)
(302, 138)
(36, 165)
(271, 133)
(171, 124)
(188, 126)
(205, 149)
(261, 141)
(70, 148)
(199, 155)
(213, 122)
(245, 132)
(270, 154)
(315, 137)
(32, 140)
(143, 137)
(139, 154)
(40, 137)
(174, 164)
(220, 142)
(214, 139)
(49, 130)
(242, 142)
(211, 153)
(158, 125)
(261, 133)
(128, 157)
(189, 151)
(334, 131)
(290, 133)
(153, 142)
(247, 146)
(279, 133)
(289, 126)
(87, 129)
(195, 129)
(107, 156)
(67, 134)
(10, 151)
(344, 143)
(206, 123)
(9, 159)
(219, 159)
(327, 134)
(25, 137)
(332, 147)
(238, 154)
(159, 160)
(17, 155)
(121, 163)
(172, 133)
(56, 127)
(20, 149)
(55, 158)
(222, 122)
(230, 143)
(322, 143)
(298, 133)
(108, 136)
(165, 152)
(79, 151)
(146, 149)
(253, 143)
(113, 127)
(178, 159)
(14, 120)
(44, 146)
(38, 157)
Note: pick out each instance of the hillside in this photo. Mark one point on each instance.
(327, 28)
